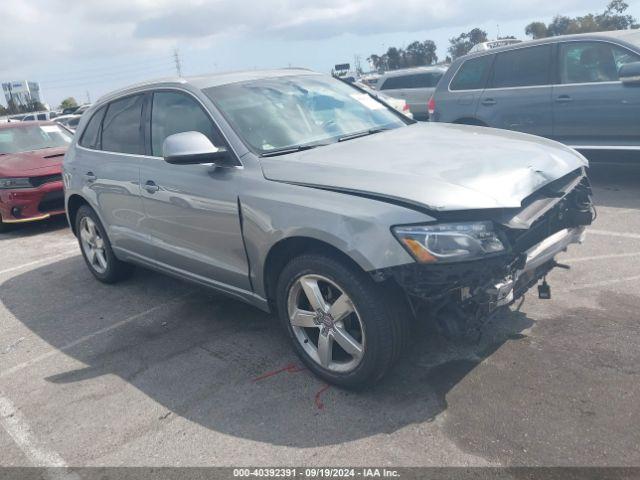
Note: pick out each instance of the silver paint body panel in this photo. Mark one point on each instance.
(216, 225)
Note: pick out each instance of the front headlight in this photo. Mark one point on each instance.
(14, 183)
(449, 242)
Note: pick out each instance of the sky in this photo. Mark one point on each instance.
(86, 49)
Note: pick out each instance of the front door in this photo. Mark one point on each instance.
(518, 95)
(591, 107)
(192, 211)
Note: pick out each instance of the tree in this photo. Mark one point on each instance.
(69, 102)
(415, 55)
(464, 42)
(393, 58)
(613, 18)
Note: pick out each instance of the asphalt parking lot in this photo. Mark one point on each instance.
(155, 371)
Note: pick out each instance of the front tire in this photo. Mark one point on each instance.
(96, 248)
(342, 324)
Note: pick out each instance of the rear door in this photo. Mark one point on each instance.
(107, 161)
(591, 107)
(457, 99)
(518, 94)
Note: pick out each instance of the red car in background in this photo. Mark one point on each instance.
(31, 156)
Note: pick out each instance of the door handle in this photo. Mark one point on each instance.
(90, 177)
(151, 186)
(489, 101)
(564, 99)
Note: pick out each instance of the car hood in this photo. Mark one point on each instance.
(37, 162)
(437, 166)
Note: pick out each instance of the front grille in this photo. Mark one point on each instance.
(52, 201)
(38, 181)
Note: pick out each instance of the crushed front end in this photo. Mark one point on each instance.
(462, 294)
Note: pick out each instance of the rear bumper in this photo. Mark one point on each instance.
(32, 204)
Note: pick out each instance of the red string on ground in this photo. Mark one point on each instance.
(318, 400)
(291, 368)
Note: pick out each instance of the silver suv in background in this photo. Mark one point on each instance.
(306, 197)
(582, 90)
(414, 85)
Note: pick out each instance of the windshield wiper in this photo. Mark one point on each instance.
(364, 133)
(286, 150)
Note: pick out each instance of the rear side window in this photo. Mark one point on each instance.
(472, 74)
(42, 116)
(122, 126)
(522, 67)
(91, 135)
(414, 80)
(174, 112)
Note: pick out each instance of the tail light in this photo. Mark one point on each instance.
(405, 107)
(431, 106)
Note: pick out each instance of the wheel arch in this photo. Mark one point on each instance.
(287, 248)
(74, 203)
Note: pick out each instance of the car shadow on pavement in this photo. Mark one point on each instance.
(616, 186)
(226, 365)
(22, 230)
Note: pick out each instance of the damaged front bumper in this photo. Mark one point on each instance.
(539, 260)
(548, 222)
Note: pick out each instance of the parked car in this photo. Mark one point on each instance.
(30, 171)
(69, 121)
(582, 90)
(39, 116)
(414, 85)
(70, 110)
(301, 195)
(400, 104)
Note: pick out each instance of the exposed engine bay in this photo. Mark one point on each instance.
(463, 295)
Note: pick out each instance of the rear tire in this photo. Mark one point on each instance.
(96, 248)
(322, 301)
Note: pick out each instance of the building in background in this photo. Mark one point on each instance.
(22, 93)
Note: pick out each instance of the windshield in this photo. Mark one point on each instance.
(33, 137)
(287, 112)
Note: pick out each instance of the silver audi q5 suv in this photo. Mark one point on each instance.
(307, 197)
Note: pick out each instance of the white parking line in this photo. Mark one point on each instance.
(610, 233)
(604, 283)
(18, 429)
(14, 423)
(86, 338)
(600, 257)
(52, 258)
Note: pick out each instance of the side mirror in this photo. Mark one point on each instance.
(190, 148)
(630, 73)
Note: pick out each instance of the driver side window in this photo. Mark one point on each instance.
(592, 62)
(174, 112)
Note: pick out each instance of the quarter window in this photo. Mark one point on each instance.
(122, 126)
(91, 135)
(522, 67)
(589, 62)
(174, 112)
(472, 74)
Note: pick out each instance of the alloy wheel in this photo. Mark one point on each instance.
(93, 245)
(326, 323)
